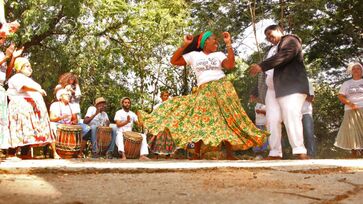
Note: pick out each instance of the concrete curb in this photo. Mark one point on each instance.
(85, 166)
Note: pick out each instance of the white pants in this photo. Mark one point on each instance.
(120, 143)
(285, 109)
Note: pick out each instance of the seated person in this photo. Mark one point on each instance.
(62, 112)
(125, 119)
(95, 117)
(164, 96)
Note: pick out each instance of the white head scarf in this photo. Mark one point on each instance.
(61, 92)
(353, 64)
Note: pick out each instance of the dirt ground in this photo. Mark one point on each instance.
(219, 185)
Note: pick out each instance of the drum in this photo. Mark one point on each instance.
(68, 141)
(132, 143)
(104, 137)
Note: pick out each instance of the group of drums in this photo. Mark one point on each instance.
(69, 138)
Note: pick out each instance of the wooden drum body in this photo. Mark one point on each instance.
(132, 143)
(104, 138)
(68, 141)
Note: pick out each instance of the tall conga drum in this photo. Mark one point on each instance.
(132, 144)
(68, 143)
(104, 137)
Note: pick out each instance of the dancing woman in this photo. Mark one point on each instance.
(213, 115)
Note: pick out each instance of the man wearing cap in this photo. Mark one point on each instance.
(95, 117)
(125, 119)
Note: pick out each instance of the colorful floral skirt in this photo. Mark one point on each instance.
(162, 143)
(350, 135)
(212, 115)
(4, 131)
(29, 121)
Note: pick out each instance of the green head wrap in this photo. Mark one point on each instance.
(206, 35)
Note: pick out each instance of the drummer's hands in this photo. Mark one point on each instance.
(128, 120)
(62, 117)
(107, 123)
(98, 110)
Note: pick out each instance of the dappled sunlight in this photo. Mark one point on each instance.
(30, 185)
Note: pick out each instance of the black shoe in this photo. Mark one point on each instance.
(95, 155)
(109, 155)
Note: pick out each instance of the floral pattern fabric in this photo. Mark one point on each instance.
(213, 114)
(29, 122)
(162, 143)
(4, 131)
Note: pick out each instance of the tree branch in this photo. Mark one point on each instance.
(37, 39)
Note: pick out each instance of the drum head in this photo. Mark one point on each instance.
(134, 136)
(69, 127)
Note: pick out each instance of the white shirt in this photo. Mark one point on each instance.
(307, 107)
(100, 119)
(206, 67)
(121, 115)
(59, 109)
(17, 82)
(270, 73)
(353, 90)
(260, 118)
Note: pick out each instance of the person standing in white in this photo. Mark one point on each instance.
(290, 88)
(124, 120)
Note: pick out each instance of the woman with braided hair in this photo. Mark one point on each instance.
(213, 114)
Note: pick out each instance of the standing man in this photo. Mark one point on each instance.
(96, 116)
(308, 122)
(290, 83)
(125, 119)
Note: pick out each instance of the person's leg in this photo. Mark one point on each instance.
(86, 135)
(83, 146)
(144, 151)
(197, 146)
(273, 124)
(55, 154)
(120, 144)
(94, 140)
(309, 139)
(229, 151)
(291, 113)
(112, 144)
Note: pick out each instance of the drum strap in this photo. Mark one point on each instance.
(60, 109)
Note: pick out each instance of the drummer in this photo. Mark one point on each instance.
(96, 117)
(62, 112)
(125, 120)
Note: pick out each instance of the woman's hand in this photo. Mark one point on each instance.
(17, 53)
(188, 39)
(227, 38)
(43, 92)
(10, 50)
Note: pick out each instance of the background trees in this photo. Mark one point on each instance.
(123, 47)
